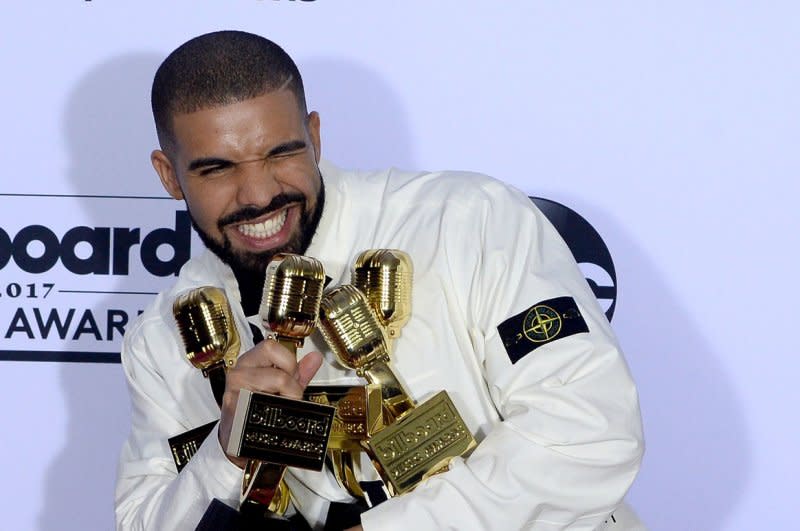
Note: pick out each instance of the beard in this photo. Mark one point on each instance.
(256, 263)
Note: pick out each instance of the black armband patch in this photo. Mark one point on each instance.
(186, 444)
(540, 324)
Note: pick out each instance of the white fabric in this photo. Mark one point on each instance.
(559, 431)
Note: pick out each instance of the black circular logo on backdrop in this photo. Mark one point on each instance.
(588, 248)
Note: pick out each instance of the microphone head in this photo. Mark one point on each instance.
(351, 330)
(292, 292)
(206, 326)
(385, 276)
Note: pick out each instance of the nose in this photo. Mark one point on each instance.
(256, 182)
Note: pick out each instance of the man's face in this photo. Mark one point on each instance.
(248, 173)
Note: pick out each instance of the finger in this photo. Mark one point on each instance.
(269, 353)
(270, 380)
(308, 367)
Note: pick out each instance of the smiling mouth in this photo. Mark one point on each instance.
(266, 228)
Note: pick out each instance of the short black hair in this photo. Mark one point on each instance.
(216, 69)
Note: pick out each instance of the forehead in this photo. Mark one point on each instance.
(240, 130)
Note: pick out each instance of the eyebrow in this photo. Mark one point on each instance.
(286, 147)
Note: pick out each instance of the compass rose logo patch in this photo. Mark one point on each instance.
(540, 324)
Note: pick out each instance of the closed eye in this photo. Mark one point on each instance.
(287, 149)
(218, 168)
(208, 166)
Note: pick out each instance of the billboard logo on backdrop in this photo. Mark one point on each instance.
(110, 248)
(68, 291)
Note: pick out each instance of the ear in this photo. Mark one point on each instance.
(166, 172)
(313, 132)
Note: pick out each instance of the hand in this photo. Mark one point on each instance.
(269, 367)
(356, 528)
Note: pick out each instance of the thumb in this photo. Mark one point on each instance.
(308, 367)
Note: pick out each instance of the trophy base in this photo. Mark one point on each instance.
(421, 443)
(280, 430)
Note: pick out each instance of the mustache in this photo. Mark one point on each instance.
(252, 212)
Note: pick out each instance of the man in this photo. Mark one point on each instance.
(554, 411)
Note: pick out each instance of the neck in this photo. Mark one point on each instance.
(251, 286)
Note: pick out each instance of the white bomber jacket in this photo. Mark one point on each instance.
(556, 413)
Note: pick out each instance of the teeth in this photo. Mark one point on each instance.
(266, 228)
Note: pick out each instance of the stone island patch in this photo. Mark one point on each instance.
(540, 324)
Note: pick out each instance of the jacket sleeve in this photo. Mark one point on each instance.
(568, 442)
(150, 493)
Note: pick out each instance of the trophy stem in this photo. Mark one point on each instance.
(263, 485)
(395, 397)
(290, 343)
(343, 463)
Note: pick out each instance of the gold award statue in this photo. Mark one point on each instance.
(206, 326)
(418, 441)
(273, 431)
(212, 344)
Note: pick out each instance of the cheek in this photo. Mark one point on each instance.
(207, 204)
(302, 176)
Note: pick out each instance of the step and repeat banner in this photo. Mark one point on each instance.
(661, 141)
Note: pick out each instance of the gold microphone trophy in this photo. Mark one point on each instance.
(384, 276)
(274, 431)
(212, 344)
(206, 326)
(418, 441)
